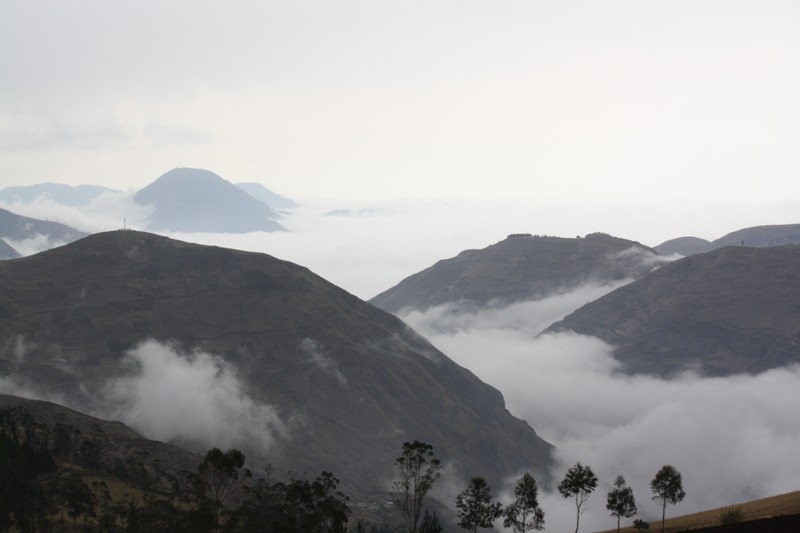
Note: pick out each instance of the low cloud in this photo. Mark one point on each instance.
(37, 243)
(316, 352)
(193, 398)
(733, 439)
(108, 211)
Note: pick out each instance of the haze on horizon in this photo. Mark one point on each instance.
(619, 102)
(460, 122)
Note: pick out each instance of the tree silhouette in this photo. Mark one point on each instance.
(524, 513)
(418, 470)
(667, 487)
(620, 501)
(475, 507)
(578, 483)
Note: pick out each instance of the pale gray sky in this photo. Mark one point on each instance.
(584, 102)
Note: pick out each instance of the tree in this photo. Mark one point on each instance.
(620, 501)
(418, 470)
(667, 487)
(524, 513)
(216, 481)
(579, 482)
(641, 525)
(475, 506)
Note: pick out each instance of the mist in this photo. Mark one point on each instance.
(380, 243)
(733, 439)
(194, 399)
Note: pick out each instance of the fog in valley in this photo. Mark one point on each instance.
(733, 439)
(406, 133)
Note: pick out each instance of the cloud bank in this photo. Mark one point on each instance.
(195, 399)
(733, 439)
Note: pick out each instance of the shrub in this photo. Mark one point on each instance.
(732, 515)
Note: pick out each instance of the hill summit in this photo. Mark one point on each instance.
(194, 200)
(521, 267)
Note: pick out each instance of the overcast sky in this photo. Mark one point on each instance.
(613, 101)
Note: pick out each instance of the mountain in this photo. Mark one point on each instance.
(684, 246)
(109, 448)
(6, 251)
(259, 192)
(732, 310)
(347, 382)
(756, 237)
(17, 228)
(518, 268)
(78, 195)
(195, 200)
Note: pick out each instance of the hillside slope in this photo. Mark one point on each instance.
(733, 310)
(753, 237)
(518, 268)
(350, 382)
(15, 227)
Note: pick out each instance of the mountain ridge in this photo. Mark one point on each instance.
(520, 267)
(350, 381)
(731, 310)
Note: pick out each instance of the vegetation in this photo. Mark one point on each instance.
(45, 486)
(524, 514)
(578, 484)
(475, 507)
(667, 487)
(732, 515)
(620, 501)
(418, 470)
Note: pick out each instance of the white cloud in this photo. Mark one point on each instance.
(108, 211)
(316, 351)
(195, 399)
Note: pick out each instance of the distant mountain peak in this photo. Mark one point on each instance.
(521, 267)
(198, 200)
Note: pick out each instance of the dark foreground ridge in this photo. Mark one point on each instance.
(349, 381)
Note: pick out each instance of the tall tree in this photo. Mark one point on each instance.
(475, 507)
(578, 484)
(524, 513)
(620, 501)
(418, 469)
(667, 487)
(217, 479)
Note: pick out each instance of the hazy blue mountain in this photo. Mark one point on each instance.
(78, 195)
(7, 251)
(521, 267)
(272, 199)
(351, 382)
(15, 227)
(195, 200)
(754, 237)
(731, 310)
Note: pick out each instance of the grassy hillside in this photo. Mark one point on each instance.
(774, 506)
